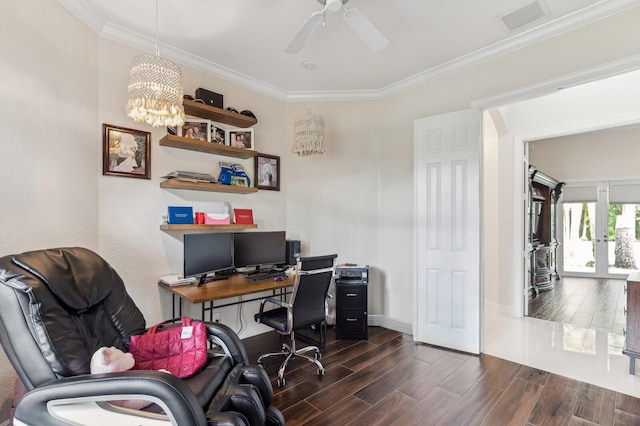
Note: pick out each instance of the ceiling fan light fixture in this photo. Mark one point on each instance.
(333, 5)
(365, 30)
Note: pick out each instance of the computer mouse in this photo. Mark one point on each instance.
(278, 278)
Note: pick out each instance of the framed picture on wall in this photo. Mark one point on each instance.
(241, 138)
(126, 152)
(267, 172)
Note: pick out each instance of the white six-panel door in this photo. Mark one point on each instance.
(447, 244)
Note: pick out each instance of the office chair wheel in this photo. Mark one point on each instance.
(317, 356)
(320, 371)
(280, 382)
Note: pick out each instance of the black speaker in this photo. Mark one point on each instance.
(292, 252)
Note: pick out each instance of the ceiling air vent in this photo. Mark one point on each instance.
(524, 16)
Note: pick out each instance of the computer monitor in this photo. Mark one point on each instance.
(210, 253)
(259, 249)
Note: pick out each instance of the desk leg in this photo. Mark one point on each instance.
(173, 306)
(632, 365)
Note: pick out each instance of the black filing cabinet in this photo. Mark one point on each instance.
(351, 302)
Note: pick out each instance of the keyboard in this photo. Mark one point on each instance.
(263, 276)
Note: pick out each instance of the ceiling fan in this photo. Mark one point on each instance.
(356, 20)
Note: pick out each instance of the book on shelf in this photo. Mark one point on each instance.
(174, 280)
(243, 216)
(190, 176)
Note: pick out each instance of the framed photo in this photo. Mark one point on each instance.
(126, 152)
(267, 172)
(241, 138)
(196, 129)
(239, 181)
(218, 135)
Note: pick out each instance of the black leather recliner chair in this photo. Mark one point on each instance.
(58, 306)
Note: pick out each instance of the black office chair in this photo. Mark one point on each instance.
(306, 308)
(58, 306)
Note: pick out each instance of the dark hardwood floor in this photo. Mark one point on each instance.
(390, 380)
(583, 302)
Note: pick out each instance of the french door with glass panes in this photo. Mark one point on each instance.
(601, 229)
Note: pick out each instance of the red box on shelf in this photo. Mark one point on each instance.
(243, 216)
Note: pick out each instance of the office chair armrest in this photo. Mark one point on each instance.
(166, 390)
(275, 301)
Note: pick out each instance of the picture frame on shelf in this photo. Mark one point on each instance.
(267, 172)
(195, 128)
(218, 135)
(126, 152)
(241, 138)
(239, 181)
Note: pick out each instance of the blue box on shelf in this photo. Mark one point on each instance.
(180, 215)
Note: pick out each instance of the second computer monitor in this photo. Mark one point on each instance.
(253, 249)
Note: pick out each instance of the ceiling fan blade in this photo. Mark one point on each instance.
(304, 33)
(365, 30)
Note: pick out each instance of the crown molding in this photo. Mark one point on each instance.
(609, 69)
(600, 10)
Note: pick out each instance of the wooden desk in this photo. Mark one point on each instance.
(632, 335)
(234, 286)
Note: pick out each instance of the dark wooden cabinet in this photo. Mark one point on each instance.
(351, 310)
(544, 193)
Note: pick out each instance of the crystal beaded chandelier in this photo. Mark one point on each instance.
(155, 89)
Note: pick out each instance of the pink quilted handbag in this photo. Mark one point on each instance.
(180, 350)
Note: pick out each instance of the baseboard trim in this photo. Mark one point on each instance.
(390, 323)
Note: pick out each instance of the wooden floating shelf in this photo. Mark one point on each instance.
(210, 187)
(194, 227)
(217, 114)
(207, 147)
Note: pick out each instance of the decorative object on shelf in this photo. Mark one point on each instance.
(199, 218)
(226, 173)
(238, 172)
(210, 98)
(126, 152)
(196, 128)
(243, 216)
(248, 113)
(267, 172)
(187, 176)
(218, 134)
(308, 129)
(217, 219)
(180, 215)
(155, 89)
(241, 138)
(239, 181)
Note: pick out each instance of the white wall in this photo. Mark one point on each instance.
(131, 209)
(605, 154)
(49, 138)
(60, 83)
